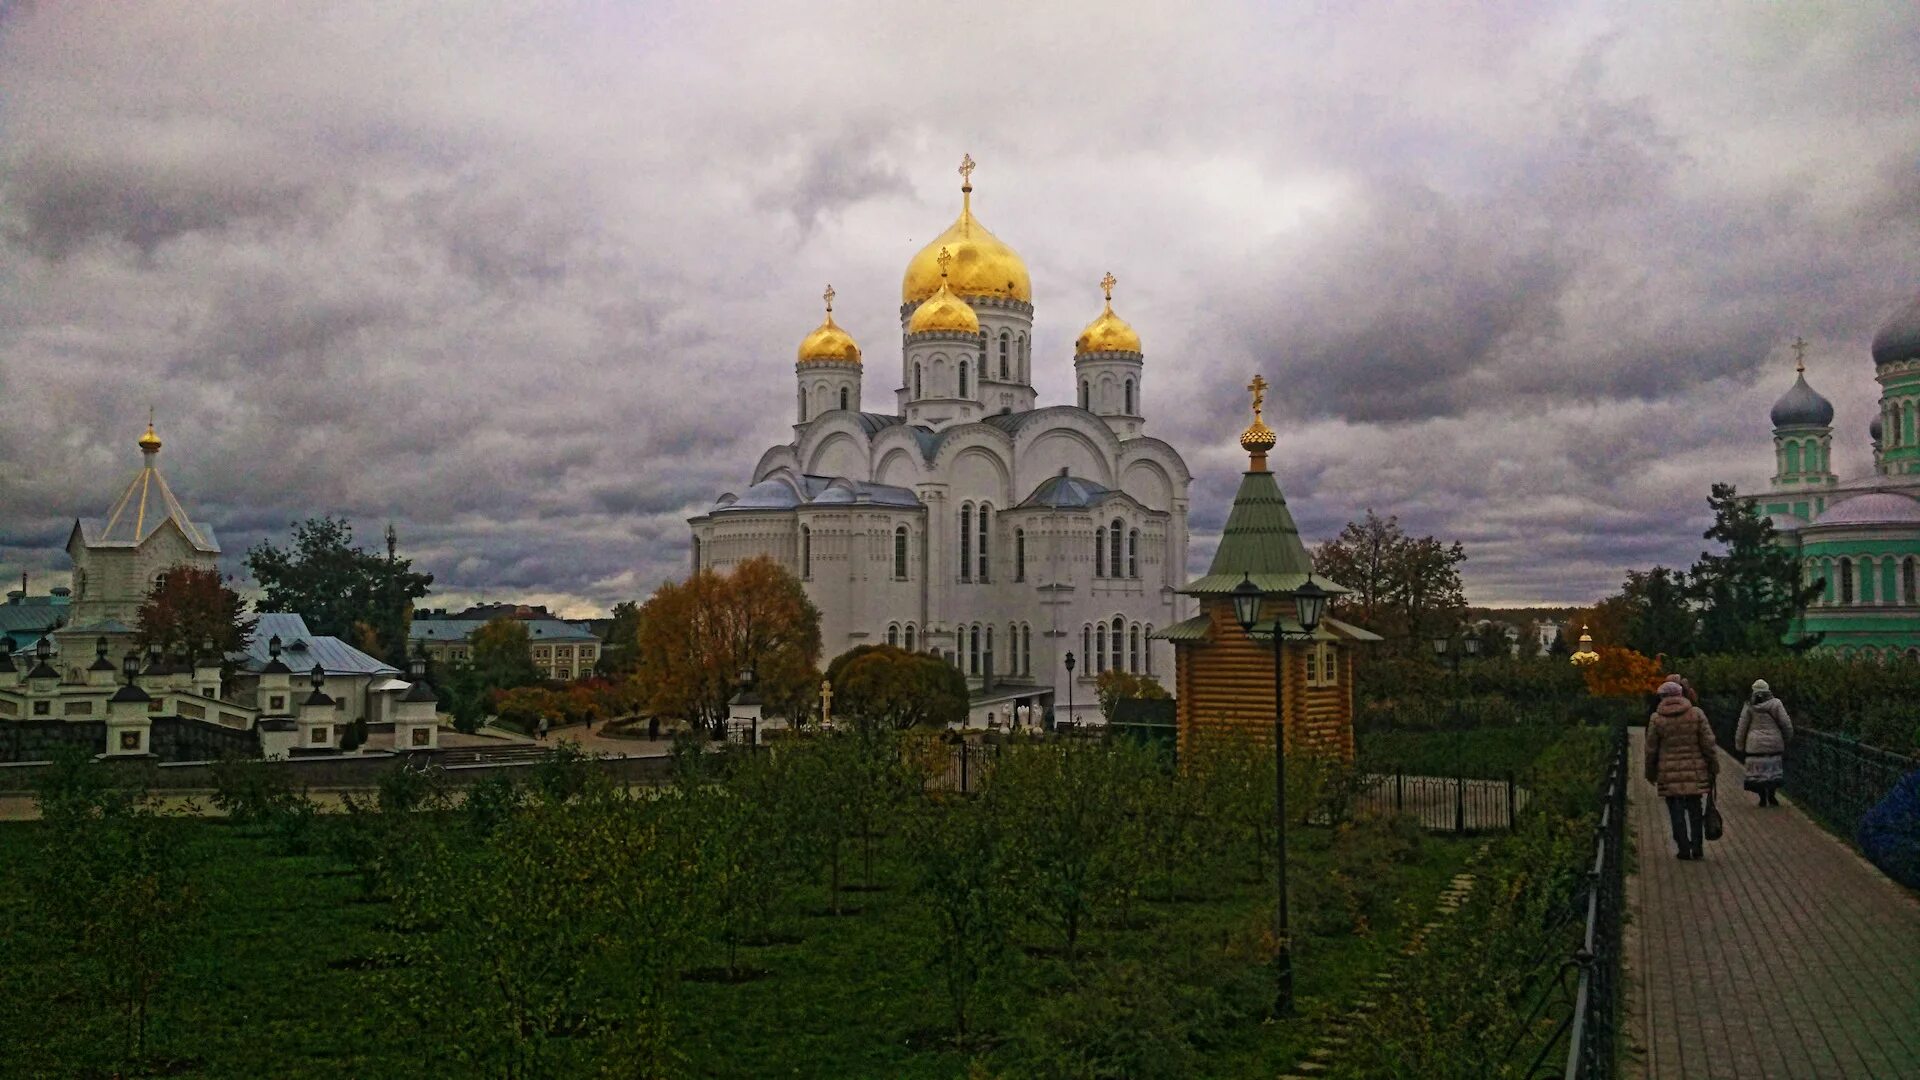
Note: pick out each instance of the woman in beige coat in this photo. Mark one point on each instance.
(1681, 763)
(1765, 730)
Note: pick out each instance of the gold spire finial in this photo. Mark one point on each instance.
(966, 194)
(943, 259)
(150, 442)
(966, 172)
(1106, 285)
(1800, 355)
(828, 297)
(1258, 438)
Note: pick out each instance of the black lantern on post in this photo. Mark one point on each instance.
(1069, 684)
(43, 649)
(130, 667)
(1309, 604)
(318, 676)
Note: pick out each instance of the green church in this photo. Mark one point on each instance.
(1859, 537)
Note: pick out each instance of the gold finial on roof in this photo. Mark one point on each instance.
(966, 172)
(1106, 285)
(1800, 355)
(943, 259)
(966, 194)
(150, 442)
(1258, 438)
(828, 297)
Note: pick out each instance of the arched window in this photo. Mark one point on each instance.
(1116, 533)
(916, 378)
(1019, 554)
(1906, 424)
(1129, 396)
(966, 541)
(1086, 647)
(1119, 635)
(911, 643)
(1086, 395)
(963, 378)
(1026, 649)
(1005, 341)
(1026, 373)
(1133, 553)
(1100, 648)
(1133, 647)
(803, 406)
(900, 553)
(1832, 578)
(1793, 457)
(1910, 580)
(843, 399)
(806, 552)
(988, 653)
(1100, 552)
(1846, 581)
(696, 554)
(973, 652)
(893, 633)
(1148, 636)
(984, 507)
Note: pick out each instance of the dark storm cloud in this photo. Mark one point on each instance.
(527, 281)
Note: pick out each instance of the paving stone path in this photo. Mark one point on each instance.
(1782, 954)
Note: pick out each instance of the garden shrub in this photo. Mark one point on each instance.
(250, 790)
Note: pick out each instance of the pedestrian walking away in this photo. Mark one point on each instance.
(542, 729)
(1763, 735)
(1681, 762)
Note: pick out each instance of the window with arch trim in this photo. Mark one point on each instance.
(806, 552)
(1100, 649)
(973, 651)
(1910, 580)
(966, 541)
(1116, 533)
(1086, 648)
(696, 554)
(1026, 648)
(1129, 398)
(843, 399)
(1026, 372)
(1846, 581)
(1133, 553)
(1119, 643)
(916, 379)
(910, 643)
(893, 634)
(1100, 552)
(1019, 554)
(1133, 648)
(1086, 395)
(963, 378)
(987, 652)
(1005, 342)
(983, 514)
(1147, 647)
(803, 406)
(899, 553)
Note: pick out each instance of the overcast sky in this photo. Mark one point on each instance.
(527, 279)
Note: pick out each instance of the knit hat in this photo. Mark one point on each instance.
(1670, 689)
(1760, 685)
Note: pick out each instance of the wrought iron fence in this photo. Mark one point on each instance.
(1454, 804)
(1835, 778)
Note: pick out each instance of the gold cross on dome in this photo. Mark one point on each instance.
(1800, 354)
(828, 297)
(1106, 285)
(1259, 389)
(943, 259)
(966, 169)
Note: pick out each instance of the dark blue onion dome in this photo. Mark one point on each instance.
(1899, 337)
(1801, 406)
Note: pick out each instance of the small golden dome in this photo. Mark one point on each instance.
(982, 264)
(944, 311)
(1108, 332)
(149, 443)
(1258, 438)
(828, 344)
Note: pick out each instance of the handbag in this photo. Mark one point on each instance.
(1710, 825)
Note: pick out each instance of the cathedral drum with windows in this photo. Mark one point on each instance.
(970, 520)
(1858, 540)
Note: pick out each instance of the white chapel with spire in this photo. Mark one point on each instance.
(966, 518)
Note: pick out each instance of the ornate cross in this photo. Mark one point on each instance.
(1800, 355)
(828, 297)
(1107, 283)
(826, 701)
(966, 169)
(943, 259)
(1259, 388)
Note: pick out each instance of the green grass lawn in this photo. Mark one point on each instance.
(269, 983)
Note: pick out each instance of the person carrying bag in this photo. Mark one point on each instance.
(1681, 760)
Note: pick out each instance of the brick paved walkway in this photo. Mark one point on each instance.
(1782, 954)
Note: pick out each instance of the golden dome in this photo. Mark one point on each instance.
(1258, 438)
(828, 344)
(1108, 332)
(943, 311)
(982, 265)
(149, 443)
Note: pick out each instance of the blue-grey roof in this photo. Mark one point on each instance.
(1066, 492)
(300, 649)
(1802, 406)
(1876, 508)
(1899, 337)
(539, 631)
(777, 493)
(874, 423)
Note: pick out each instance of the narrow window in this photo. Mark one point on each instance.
(910, 638)
(1116, 533)
(966, 541)
(1313, 665)
(963, 378)
(987, 668)
(806, 552)
(973, 652)
(893, 633)
(1793, 457)
(1100, 648)
(1906, 425)
(900, 553)
(1005, 341)
(1026, 371)
(1133, 647)
(1846, 581)
(1086, 647)
(1100, 552)
(1119, 636)
(1133, 553)
(1149, 648)
(1911, 579)
(1129, 393)
(983, 540)
(843, 398)
(1085, 395)
(1026, 649)
(803, 406)
(696, 554)
(916, 379)
(1019, 554)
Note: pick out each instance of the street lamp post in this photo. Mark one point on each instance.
(1470, 646)
(1310, 601)
(1069, 686)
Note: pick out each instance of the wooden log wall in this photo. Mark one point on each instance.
(1224, 688)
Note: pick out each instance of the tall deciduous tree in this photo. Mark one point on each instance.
(503, 654)
(189, 607)
(1115, 686)
(1750, 594)
(1404, 587)
(882, 686)
(620, 656)
(341, 589)
(698, 637)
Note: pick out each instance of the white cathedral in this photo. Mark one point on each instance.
(970, 520)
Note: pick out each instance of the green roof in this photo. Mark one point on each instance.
(1261, 542)
(1194, 629)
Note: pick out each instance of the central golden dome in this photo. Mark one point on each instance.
(943, 311)
(982, 265)
(1107, 332)
(828, 344)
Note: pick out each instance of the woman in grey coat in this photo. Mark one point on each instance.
(1764, 733)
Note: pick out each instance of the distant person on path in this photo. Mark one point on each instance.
(1681, 764)
(541, 729)
(1764, 733)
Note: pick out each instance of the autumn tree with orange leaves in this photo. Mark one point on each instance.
(698, 637)
(1621, 673)
(187, 608)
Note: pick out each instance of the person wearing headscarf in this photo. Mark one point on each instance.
(1764, 732)
(1681, 762)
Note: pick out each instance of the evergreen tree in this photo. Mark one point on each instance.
(1660, 618)
(1750, 595)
